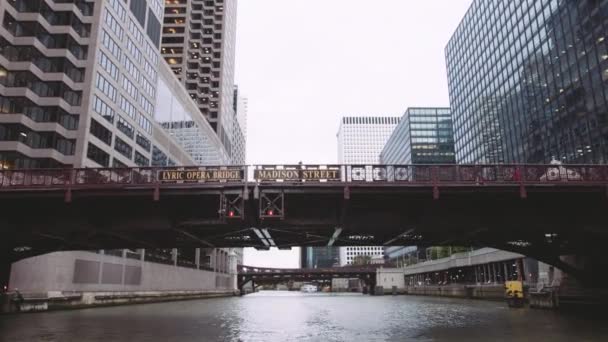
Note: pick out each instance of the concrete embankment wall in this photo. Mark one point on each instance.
(93, 272)
(489, 292)
(80, 279)
(41, 302)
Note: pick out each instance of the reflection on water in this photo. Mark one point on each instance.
(288, 316)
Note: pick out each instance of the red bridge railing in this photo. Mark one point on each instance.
(301, 174)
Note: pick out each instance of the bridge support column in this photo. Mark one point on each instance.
(520, 269)
(488, 273)
(5, 271)
(5, 275)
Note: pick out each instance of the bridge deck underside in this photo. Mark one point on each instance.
(550, 221)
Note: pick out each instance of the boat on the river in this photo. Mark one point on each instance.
(308, 288)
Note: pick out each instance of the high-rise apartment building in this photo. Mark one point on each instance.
(198, 42)
(82, 84)
(528, 82)
(360, 141)
(423, 136)
(78, 82)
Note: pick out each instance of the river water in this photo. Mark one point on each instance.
(294, 316)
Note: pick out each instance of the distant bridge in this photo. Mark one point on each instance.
(543, 211)
(264, 276)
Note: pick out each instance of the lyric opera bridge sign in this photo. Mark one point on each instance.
(238, 174)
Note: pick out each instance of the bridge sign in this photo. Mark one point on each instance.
(206, 175)
(266, 175)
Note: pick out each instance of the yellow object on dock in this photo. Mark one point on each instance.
(514, 293)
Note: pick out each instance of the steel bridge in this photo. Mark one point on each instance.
(265, 276)
(543, 211)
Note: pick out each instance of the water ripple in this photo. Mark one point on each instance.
(292, 316)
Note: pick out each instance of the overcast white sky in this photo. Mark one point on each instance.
(303, 64)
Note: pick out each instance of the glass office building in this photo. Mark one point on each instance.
(319, 257)
(423, 136)
(527, 82)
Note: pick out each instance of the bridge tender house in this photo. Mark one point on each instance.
(201, 175)
(267, 175)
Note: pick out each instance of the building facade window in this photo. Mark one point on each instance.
(123, 148)
(103, 109)
(125, 127)
(141, 160)
(107, 65)
(111, 45)
(106, 87)
(143, 142)
(98, 155)
(101, 132)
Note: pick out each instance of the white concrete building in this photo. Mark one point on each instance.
(362, 138)
(349, 254)
(360, 141)
(389, 277)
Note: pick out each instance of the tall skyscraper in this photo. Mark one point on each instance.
(360, 141)
(528, 82)
(198, 42)
(423, 136)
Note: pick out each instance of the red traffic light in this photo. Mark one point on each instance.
(270, 212)
(231, 213)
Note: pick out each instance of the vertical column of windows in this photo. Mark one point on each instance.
(127, 107)
(131, 68)
(111, 45)
(103, 109)
(106, 87)
(107, 64)
(118, 9)
(113, 24)
(129, 87)
(134, 50)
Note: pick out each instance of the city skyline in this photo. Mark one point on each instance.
(319, 73)
(305, 170)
